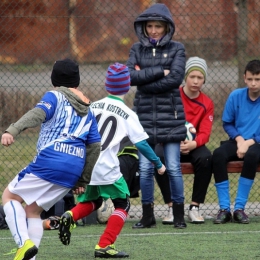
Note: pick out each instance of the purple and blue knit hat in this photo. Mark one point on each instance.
(117, 79)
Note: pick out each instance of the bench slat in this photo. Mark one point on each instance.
(232, 167)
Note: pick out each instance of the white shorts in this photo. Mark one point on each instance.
(34, 189)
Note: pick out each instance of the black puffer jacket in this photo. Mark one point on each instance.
(157, 100)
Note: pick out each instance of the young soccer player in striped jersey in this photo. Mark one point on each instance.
(68, 129)
(115, 121)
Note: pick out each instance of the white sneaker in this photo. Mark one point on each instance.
(194, 216)
(168, 220)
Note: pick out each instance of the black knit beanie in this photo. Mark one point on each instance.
(65, 73)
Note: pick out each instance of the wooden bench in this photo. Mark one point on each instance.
(232, 167)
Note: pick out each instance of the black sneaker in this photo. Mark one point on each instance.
(180, 225)
(223, 217)
(109, 252)
(66, 226)
(240, 216)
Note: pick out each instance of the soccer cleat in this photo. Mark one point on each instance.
(27, 251)
(109, 252)
(194, 216)
(51, 223)
(223, 217)
(168, 220)
(67, 224)
(240, 216)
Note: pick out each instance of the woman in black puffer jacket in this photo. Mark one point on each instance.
(157, 67)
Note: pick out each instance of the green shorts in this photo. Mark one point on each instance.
(119, 190)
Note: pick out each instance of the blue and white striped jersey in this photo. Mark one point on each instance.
(61, 147)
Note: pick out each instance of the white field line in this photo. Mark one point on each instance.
(154, 234)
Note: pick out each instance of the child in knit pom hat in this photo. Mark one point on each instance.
(68, 146)
(197, 64)
(117, 79)
(199, 110)
(115, 121)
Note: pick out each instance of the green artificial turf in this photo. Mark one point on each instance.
(206, 241)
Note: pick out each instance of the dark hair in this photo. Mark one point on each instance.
(253, 66)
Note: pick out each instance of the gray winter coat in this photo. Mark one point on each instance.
(157, 101)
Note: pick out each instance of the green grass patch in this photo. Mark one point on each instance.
(207, 241)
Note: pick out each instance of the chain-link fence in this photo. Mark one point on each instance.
(33, 34)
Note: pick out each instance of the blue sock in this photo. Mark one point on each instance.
(223, 194)
(243, 190)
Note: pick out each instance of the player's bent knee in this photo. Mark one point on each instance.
(122, 203)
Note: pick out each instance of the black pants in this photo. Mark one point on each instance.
(200, 158)
(228, 152)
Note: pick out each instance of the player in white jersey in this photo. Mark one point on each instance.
(68, 132)
(115, 121)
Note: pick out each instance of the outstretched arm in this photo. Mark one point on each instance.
(31, 119)
(148, 152)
